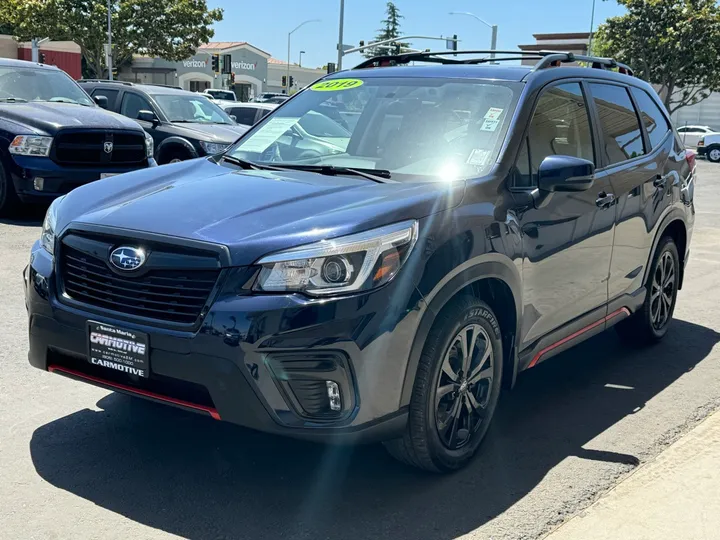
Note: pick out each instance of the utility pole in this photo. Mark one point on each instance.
(592, 25)
(109, 47)
(493, 28)
(340, 35)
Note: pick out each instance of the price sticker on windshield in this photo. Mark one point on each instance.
(335, 85)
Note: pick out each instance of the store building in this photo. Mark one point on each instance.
(569, 42)
(64, 54)
(254, 71)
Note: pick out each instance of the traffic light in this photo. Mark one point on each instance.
(42, 58)
(291, 81)
(227, 64)
(284, 81)
(232, 77)
(331, 67)
(362, 42)
(216, 63)
(454, 42)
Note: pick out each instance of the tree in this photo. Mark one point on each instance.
(673, 44)
(390, 30)
(172, 30)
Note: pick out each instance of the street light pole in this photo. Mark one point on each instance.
(493, 27)
(340, 35)
(109, 51)
(290, 33)
(592, 25)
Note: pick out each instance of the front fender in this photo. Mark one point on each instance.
(491, 265)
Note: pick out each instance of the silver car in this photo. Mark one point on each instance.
(690, 135)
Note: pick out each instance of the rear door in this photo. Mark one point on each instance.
(245, 116)
(567, 238)
(639, 160)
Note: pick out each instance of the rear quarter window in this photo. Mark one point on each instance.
(656, 123)
(622, 138)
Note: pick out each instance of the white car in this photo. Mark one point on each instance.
(709, 146)
(691, 135)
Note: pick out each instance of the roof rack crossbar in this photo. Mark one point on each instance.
(546, 59)
(126, 83)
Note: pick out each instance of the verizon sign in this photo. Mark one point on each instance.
(194, 63)
(247, 66)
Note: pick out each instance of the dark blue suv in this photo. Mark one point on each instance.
(54, 137)
(381, 286)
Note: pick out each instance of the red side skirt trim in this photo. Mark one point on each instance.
(572, 336)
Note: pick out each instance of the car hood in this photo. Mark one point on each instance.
(219, 133)
(253, 213)
(48, 118)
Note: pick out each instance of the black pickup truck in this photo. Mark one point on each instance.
(54, 137)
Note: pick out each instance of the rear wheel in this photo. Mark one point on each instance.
(9, 201)
(651, 322)
(456, 389)
(713, 154)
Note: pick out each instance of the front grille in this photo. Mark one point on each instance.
(175, 296)
(88, 148)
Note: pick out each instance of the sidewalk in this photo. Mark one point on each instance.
(675, 496)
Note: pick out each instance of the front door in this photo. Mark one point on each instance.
(567, 237)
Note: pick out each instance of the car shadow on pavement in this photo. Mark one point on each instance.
(193, 477)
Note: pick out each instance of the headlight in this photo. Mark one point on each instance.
(30, 145)
(47, 236)
(341, 265)
(149, 145)
(213, 148)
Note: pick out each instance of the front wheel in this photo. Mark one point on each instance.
(651, 322)
(456, 389)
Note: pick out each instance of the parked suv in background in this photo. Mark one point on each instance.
(184, 125)
(477, 220)
(53, 137)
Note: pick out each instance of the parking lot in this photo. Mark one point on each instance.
(79, 462)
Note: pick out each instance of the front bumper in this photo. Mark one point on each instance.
(57, 180)
(227, 367)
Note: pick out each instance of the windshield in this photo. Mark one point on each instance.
(220, 94)
(182, 108)
(29, 84)
(416, 128)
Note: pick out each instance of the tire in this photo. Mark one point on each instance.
(9, 202)
(174, 155)
(651, 322)
(713, 154)
(428, 441)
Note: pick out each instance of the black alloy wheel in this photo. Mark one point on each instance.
(456, 389)
(463, 388)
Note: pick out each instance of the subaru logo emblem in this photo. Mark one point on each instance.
(108, 146)
(127, 258)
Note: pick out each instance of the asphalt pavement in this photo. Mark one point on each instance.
(79, 462)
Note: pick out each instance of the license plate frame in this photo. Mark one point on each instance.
(118, 349)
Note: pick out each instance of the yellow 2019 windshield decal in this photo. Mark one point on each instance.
(335, 85)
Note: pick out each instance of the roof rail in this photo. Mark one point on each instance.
(545, 59)
(126, 83)
(163, 85)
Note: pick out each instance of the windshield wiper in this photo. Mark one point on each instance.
(13, 100)
(381, 176)
(245, 164)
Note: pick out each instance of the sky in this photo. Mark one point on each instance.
(266, 24)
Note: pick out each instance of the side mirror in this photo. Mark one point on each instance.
(565, 173)
(102, 101)
(233, 118)
(148, 116)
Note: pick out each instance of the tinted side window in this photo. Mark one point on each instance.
(560, 126)
(244, 115)
(132, 104)
(622, 137)
(111, 96)
(655, 122)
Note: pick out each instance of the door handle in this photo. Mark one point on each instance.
(605, 200)
(660, 181)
